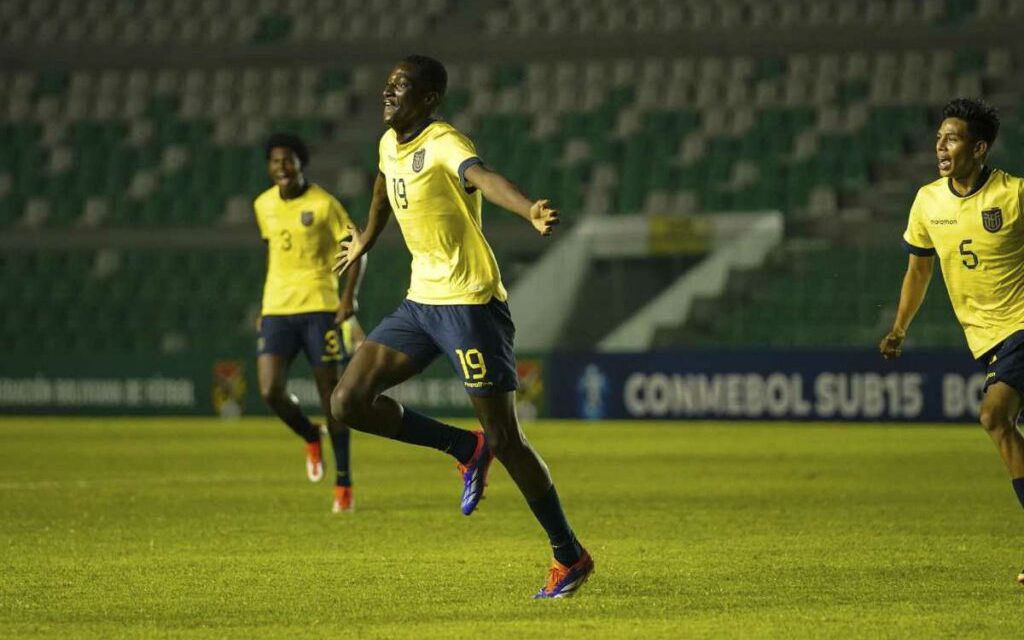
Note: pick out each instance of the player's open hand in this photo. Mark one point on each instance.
(543, 217)
(891, 345)
(350, 249)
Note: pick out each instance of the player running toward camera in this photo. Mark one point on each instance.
(302, 311)
(971, 218)
(432, 180)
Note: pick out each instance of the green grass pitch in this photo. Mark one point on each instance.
(178, 528)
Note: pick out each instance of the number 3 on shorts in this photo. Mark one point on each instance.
(472, 361)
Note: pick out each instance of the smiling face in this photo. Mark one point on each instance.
(285, 169)
(958, 155)
(407, 102)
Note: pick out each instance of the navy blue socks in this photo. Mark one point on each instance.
(427, 432)
(548, 510)
(340, 437)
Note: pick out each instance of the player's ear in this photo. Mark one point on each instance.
(432, 99)
(980, 149)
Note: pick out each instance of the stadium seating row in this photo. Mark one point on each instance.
(153, 300)
(189, 22)
(159, 149)
(528, 17)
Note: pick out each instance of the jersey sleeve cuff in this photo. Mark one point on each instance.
(467, 163)
(918, 251)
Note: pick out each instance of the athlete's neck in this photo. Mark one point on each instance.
(968, 184)
(294, 190)
(408, 133)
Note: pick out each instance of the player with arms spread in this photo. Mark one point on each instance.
(302, 224)
(970, 218)
(432, 180)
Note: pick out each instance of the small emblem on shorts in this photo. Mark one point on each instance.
(417, 160)
(992, 219)
(307, 218)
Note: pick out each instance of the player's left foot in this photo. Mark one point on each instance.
(474, 474)
(1020, 578)
(343, 500)
(564, 581)
(314, 461)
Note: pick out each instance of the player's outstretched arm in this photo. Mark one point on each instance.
(357, 243)
(350, 291)
(915, 285)
(504, 193)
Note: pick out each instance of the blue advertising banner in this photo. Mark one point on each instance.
(921, 386)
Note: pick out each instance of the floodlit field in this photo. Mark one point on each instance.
(205, 529)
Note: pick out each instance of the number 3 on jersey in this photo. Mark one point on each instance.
(398, 186)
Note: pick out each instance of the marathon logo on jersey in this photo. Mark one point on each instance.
(307, 218)
(417, 160)
(992, 219)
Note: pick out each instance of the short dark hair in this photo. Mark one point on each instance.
(982, 118)
(289, 141)
(430, 71)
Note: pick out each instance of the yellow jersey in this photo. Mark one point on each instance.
(439, 217)
(979, 241)
(302, 237)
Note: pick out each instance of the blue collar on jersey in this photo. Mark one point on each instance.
(983, 177)
(416, 134)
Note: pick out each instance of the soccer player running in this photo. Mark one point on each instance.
(971, 219)
(302, 224)
(431, 179)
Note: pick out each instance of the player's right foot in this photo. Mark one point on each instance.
(1020, 578)
(474, 474)
(314, 461)
(564, 581)
(342, 500)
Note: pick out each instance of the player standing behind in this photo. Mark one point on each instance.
(432, 179)
(971, 219)
(302, 224)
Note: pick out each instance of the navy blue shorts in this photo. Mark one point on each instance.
(1005, 363)
(477, 338)
(314, 333)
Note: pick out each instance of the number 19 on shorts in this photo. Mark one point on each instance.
(473, 366)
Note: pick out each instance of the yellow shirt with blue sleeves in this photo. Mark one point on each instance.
(979, 241)
(302, 237)
(439, 217)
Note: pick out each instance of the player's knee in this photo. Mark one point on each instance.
(346, 405)
(272, 393)
(995, 419)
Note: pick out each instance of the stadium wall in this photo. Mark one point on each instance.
(835, 385)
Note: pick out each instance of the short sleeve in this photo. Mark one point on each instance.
(259, 219)
(337, 219)
(916, 239)
(457, 153)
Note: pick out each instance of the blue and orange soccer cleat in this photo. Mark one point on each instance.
(474, 474)
(564, 581)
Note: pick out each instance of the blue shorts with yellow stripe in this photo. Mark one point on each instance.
(1005, 363)
(476, 338)
(316, 334)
